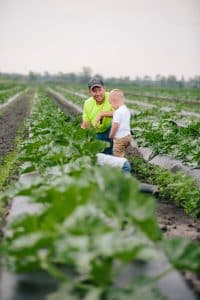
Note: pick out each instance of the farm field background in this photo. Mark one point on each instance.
(91, 219)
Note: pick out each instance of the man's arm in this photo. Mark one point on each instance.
(101, 115)
(113, 130)
(85, 119)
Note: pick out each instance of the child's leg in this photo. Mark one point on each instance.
(120, 146)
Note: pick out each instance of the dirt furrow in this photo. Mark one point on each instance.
(11, 119)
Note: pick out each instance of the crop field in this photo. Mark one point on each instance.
(71, 229)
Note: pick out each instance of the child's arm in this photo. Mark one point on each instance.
(113, 130)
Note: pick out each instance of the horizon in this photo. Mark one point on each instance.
(152, 78)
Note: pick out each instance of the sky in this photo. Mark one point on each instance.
(112, 37)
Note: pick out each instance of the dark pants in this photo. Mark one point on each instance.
(104, 136)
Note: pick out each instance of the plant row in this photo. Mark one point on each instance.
(5, 95)
(162, 132)
(177, 187)
(93, 221)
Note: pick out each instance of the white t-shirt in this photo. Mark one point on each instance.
(110, 160)
(122, 116)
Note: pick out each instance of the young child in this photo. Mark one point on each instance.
(120, 130)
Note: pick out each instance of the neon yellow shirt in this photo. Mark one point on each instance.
(91, 109)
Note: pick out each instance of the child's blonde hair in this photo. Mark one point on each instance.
(118, 93)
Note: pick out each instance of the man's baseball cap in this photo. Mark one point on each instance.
(95, 81)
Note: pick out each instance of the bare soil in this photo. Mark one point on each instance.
(174, 222)
(11, 119)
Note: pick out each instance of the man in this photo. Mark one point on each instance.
(97, 112)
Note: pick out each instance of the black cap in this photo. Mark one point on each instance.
(95, 81)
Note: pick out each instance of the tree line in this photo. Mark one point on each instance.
(82, 77)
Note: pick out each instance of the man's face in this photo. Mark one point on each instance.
(98, 93)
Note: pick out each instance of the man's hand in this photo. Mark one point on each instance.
(85, 125)
(101, 115)
(99, 119)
